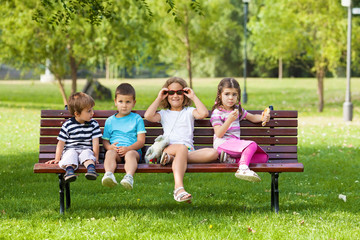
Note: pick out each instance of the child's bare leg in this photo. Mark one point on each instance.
(131, 162)
(203, 155)
(111, 159)
(179, 166)
(88, 162)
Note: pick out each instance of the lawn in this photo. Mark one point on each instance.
(223, 207)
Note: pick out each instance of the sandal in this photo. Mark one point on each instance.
(179, 197)
(165, 158)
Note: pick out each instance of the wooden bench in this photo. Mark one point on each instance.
(278, 138)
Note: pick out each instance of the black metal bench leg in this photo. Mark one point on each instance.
(275, 192)
(61, 192)
(67, 194)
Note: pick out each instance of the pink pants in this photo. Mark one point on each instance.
(244, 151)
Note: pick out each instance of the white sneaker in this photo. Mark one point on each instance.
(109, 180)
(245, 173)
(127, 182)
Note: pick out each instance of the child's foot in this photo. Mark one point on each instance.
(91, 173)
(127, 182)
(245, 173)
(165, 158)
(180, 195)
(109, 180)
(70, 175)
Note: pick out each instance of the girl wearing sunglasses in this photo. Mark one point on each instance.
(177, 119)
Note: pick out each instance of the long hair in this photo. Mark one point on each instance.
(228, 83)
(165, 103)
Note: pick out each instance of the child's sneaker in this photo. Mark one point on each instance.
(91, 173)
(109, 180)
(127, 182)
(70, 175)
(245, 173)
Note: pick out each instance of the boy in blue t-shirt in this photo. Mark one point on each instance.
(123, 138)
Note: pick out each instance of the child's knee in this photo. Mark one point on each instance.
(110, 153)
(213, 153)
(132, 154)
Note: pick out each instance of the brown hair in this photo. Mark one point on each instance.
(79, 101)
(227, 83)
(125, 89)
(165, 103)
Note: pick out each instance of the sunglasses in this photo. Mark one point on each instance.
(178, 92)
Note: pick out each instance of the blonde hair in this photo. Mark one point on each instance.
(165, 103)
(79, 101)
(227, 83)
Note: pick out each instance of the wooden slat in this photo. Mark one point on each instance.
(198, 123)
(43, 157)
(207, 140)
(199, 132)
(203, 167)
(107, 113)
(268, 149)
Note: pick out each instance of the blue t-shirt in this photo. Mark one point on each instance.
(123, 130)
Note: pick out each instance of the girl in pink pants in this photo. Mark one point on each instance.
(225, 118)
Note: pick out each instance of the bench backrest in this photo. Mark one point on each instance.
(278, 138)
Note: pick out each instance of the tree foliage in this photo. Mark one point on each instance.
(303, 30)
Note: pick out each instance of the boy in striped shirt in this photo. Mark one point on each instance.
(78, 140)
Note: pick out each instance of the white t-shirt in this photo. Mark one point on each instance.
(179, 126)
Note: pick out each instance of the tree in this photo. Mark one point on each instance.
(26, 44)
(302, 29)
(194, 41)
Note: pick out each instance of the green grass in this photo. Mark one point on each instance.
(223, 207)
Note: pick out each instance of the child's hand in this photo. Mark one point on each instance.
(265, 117)
(163, 93)
(233, 115)
(122, 151)
(189, 93)
(54, 161)
(114, 147)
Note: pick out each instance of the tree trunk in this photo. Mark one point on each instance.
(280, 68)
(188, 48)
(107, 70)
(320, 74)
(73, 67)
(62, 91)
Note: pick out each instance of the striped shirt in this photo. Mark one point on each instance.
(219, 116)
(77, 135)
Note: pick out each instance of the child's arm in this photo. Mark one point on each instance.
(108, 146)
(59, 149)
(256, 118)
(201, 111)
(95, 147)
(137, 145)
(151, 114)
(220, 130)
